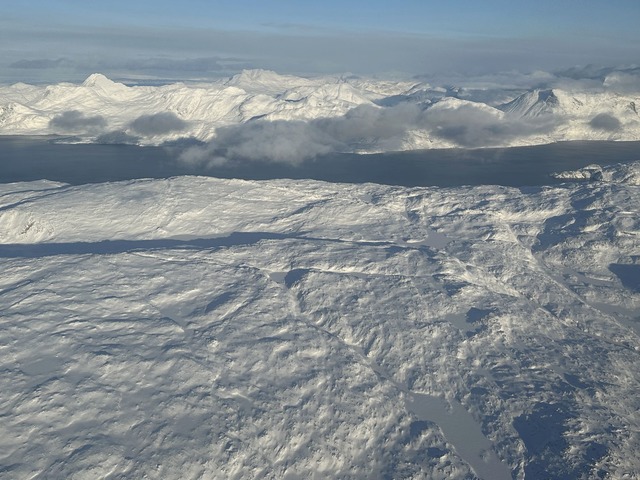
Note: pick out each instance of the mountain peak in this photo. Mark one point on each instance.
(97, 80)
(533, 103)
(265, 81)
(547, 95)
(257, 73)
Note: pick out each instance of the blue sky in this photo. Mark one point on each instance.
(46, 40)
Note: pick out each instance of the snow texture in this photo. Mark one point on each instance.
(203, 328)
(400, 115)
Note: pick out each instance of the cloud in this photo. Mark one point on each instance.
(279, 141)
(623, 82)
(199, 65)
(606, 122)
(117, 137)
(625, 79)
(41, 63)
(365, 127)
(294, 49)
(502, 80)
(471, 126)
(294, 142)
(158, 124)
(142, 65)
(74, 121)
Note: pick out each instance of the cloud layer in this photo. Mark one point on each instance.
(118, 137)
(606, 122)
(183, 52)
(74, 121)
(365, 127)
(158, 124)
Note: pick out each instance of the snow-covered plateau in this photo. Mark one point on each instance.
(344, 114)
(196, 327)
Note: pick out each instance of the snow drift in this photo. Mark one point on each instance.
(205, 328)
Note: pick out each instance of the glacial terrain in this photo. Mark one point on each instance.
(242, 115)
(195, 327)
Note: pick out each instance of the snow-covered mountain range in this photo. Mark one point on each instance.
(195, 327)
(379, 115)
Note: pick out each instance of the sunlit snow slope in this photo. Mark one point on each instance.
(205, 328)
(390, 115)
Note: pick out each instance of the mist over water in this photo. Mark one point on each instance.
(34, 158)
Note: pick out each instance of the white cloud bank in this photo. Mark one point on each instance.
(365, 127)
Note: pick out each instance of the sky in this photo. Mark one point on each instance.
(54, 40)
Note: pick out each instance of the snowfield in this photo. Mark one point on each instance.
(203, 328)
(365, 115)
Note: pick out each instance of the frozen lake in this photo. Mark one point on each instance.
(25, 158)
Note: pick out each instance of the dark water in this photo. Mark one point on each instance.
(33, 158)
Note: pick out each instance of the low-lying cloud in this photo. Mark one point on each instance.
(472, 127)
(41, 63)
(624, 81)
(158, 124)
(118, 137)
(75, 121)
(161, 64)
(280, 141)
(365, 127)
(606, 122)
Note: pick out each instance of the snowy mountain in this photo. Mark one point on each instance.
(593, 115)
(100, 109)
(202, 328)
(535, 103)
(562, 103)
(269, 82)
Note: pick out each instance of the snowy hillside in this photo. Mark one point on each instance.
(202, 328)
(100, 110)
(598, 116)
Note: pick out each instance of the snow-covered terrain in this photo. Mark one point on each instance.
(203, 328)
(372, 115)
